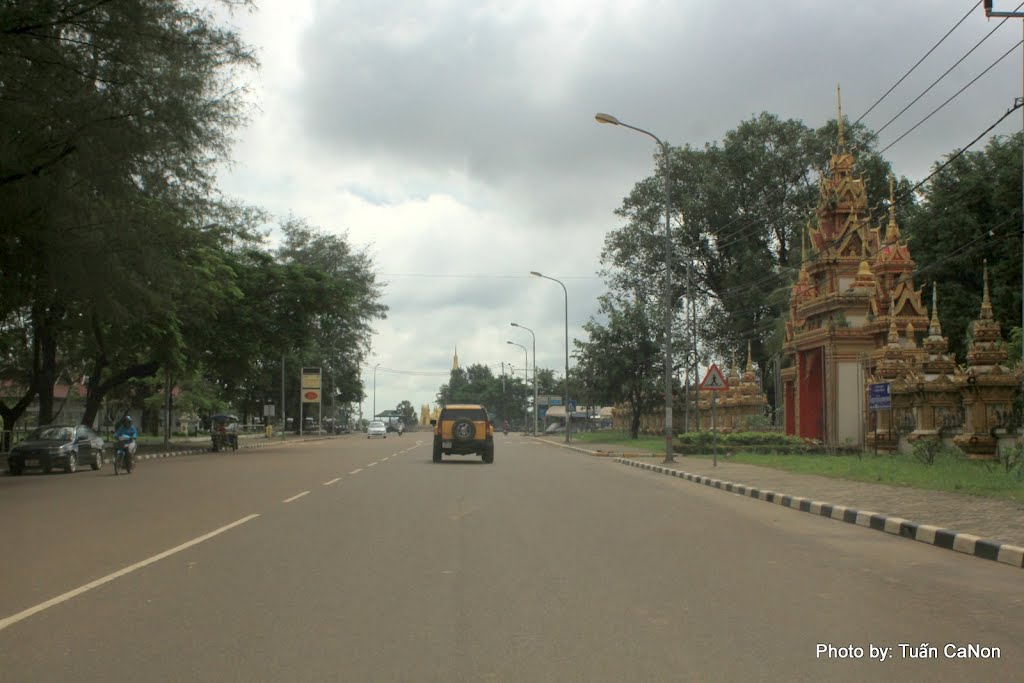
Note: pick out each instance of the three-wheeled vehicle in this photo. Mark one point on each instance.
(224, 432)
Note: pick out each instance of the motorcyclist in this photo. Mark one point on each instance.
(128, 431)
(400, 427)
(504, 427)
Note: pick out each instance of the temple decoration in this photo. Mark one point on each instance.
(987, 385)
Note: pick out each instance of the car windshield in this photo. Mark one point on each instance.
(475, 414)
(51, 433)
(377, 425)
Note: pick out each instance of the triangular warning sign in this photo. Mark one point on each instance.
(714, 380)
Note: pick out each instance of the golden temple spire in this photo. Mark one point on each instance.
(455, 360)
(934, 328)
(894, 334)
(892, 234)
(986, 303)
(839, 103)
(750, 358)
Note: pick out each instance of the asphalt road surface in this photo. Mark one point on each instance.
(359, 560)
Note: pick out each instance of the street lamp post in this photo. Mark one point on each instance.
(568, 416)
(534, 374)
(375, 390)
(608, 118)
(526, 369)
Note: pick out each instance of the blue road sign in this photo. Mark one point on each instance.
(879, 396)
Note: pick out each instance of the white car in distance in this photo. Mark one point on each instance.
(376, 428)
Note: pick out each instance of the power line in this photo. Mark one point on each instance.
(954, 96)
(947, 72)
(902, 78)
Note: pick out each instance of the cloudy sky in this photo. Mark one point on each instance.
(456, 142)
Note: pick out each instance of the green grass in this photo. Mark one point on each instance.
(953, 474)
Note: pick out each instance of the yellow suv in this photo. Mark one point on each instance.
(462, 429)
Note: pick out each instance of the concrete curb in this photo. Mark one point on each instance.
(969, 544)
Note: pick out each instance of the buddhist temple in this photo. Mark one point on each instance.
(855, 316)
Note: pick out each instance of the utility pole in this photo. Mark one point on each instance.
(1020, 15)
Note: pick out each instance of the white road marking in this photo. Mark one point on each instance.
(25, 614)
(332, 481)
(288, 500)
(371, 464)
(356, 471)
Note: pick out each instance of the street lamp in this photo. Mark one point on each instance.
(534, 374)
(568, 417)
(526, 369)
(375, 390)
(608, 118)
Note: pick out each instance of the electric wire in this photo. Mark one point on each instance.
(953, 97)
(911, 70)
(946, 73)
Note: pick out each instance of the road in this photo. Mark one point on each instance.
(359, 560)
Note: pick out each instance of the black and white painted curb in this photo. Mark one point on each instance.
(985, 548)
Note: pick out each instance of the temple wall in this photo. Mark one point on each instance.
(850, 403)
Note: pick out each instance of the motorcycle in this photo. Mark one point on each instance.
(123, 459)
(224, 432)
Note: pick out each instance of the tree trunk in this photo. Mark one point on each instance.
(12, 415)
(98, 390)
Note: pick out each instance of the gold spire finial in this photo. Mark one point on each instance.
(839, 103)
(894, 334)
(934, 328)
(750, 358)
(892, 233)
(986, 303)
(455, 360)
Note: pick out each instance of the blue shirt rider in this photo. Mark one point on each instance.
(128, 429)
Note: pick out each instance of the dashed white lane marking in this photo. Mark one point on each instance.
(25, 614)
(296, 497)
(371, 464)
(356, 471)
(332, 481)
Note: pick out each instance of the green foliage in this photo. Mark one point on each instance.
(740, 206)
(749, 442)
(621, 361)
(1012, 461)
(928, 451)
(971, 213)
(504, 397)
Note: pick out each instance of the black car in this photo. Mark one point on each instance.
(63, 446)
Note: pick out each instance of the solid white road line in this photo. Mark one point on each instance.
(356, 471)
(25, 614)
(288, 500)
(332, 481)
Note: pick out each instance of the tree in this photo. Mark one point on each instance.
(407, 413)
(113, 120)
(971, 213)
(738, 209)
(621, 362)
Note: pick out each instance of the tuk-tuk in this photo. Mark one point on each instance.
(224, 432)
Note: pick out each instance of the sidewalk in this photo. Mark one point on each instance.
(985, 527)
